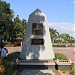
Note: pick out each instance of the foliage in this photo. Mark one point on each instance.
(60, 56)
(10, 27)
(63, 45)
(6, 15)
(58, 45)
(7, 68)
(53, 33)
(19, 27)
(65, 38)
(1, 69)
(60, 38)
(72, 71)
(9, 44)
(71, 45)
(10, 58)
(13, 56)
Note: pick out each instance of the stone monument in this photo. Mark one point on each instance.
(37, 41)
(37, 53)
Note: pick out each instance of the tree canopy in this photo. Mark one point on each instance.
(53, 33)
(10, 27)
(19, 27)
(60, 38)
(66, 38)
(6, 16)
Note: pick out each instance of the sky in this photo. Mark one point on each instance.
(60, 13)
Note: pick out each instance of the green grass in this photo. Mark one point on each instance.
(60, 56)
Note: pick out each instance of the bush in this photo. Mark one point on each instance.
(9, 44)
(60, 56)
(1, 69)
(13, 56)
(72, 71)
(7, 68)
(59, 45)
(71, 45)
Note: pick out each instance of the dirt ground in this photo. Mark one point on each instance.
(68, 51)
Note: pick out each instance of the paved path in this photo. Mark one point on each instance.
(37, 72)
(68, 51)
(14, 49)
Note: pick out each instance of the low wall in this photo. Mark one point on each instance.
(63, 65)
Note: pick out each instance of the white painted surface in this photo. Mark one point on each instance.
(37, 51)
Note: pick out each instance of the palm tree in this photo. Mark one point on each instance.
(54, 34)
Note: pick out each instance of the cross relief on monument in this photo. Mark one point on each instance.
(37, 29)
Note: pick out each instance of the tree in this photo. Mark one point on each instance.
(6, 15)
(23, 29)
(19, 27)
(53, 33)
(10, 27)
(71, 40)
(65, 38)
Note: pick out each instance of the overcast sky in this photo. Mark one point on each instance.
(60, 13)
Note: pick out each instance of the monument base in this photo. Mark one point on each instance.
(26, 67)
(33, 67)
(36, 62)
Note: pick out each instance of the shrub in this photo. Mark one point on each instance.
(1, 69)
(9, 44)
(72, 71)
(7, 67)
(59, 45)
(13, 56)
(71, 45)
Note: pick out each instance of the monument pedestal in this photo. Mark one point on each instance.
(34, 67)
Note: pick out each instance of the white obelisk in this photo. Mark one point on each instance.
(37, 41)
